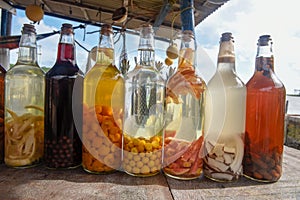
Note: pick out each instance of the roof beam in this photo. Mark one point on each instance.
(162, 14)
(86, 16)
(46, 6)
(99, 9)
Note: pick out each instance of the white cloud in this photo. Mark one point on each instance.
(247, 20)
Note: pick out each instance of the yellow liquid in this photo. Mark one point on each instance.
(102, 127)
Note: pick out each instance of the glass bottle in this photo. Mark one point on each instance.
(103, 110)
(225, 117)
(2, 91)
(184, 116)
(264, 118)
(24, 105)
(144, 111)
(63, 145)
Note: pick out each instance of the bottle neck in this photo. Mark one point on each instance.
(264, 59)
(187, 51)
(264, 62)
(105, 51)
(146, 54)
(66, 48)
(226, 56)
(27, 49)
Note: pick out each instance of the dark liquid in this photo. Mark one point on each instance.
(264, 125)
(63, 147)
(2, 87)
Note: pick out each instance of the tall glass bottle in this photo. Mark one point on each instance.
(184, 115)
(62, 141)
(2, 91)
(144, 112)
(103, 110)
(225, 117)
(24, 105)
(264, 118)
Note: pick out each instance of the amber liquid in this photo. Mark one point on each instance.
(2, 87)
(264, 124)
(102, 116)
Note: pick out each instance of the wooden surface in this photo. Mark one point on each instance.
(42, 183)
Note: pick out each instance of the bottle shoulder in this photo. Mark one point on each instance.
(144, 75)
(226, 79)
(64, 68)
(2, 70)
(20, 69)
(261, 82)
(100, 71)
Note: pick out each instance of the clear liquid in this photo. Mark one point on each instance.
(143, 122)
(184, 123)
(25, 86)
(225, 121)
(144, 101)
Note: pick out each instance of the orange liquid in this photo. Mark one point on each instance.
(264, 126)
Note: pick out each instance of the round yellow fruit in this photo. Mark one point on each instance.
(168, 61)
(34, 13)
(172, 51)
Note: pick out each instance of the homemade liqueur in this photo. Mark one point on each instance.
(63, 145)
(225, 117)
(24, 105)
(144, 112)
(103, 101)
(264, 118)
(185, 98)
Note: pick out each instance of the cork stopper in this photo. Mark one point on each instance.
(106, 29)
(264, 40)
(146, 29)
(187, 35)
(226, 50)
(227, 36)
(28, 28)
(67, 28)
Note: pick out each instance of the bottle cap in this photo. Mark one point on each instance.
(227, 36)
(106, 29)
(264, 40)
(28, 28)
(67, 28)
(146, 29)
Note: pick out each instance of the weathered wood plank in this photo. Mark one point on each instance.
(42, 183)
(288, 187)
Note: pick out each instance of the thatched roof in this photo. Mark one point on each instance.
(159, 13)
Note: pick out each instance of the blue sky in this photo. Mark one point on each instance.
(247, 20)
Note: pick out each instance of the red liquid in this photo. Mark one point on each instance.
(63, 145)
(264, 126)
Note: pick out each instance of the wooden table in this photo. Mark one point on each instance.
(42, 183)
